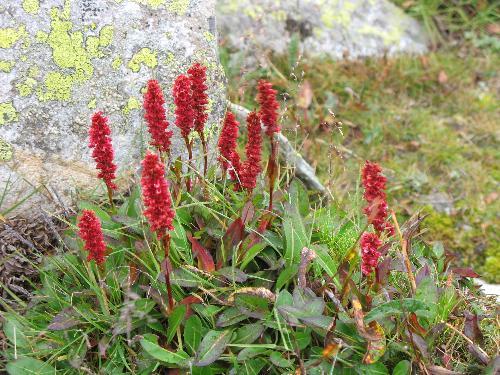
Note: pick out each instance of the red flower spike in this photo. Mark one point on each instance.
(377, 210)
(229, 157)
(154, 113)
(251, 168)
(266, 97)
(156, 195)
(370, 244)
(183, 99)
(197, 74)
(90, 232)
(100, 141)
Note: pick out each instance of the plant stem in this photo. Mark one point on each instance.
(272, 170)
(166, 248)
(190, 158)
(205, 153)
(404, 247)
(110, 197)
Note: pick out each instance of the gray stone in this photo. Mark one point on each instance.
(61, 60)
(337, 28)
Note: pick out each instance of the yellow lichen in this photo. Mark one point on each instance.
(5, 151)
(132, 104)
(106, 35)
(144, 56)
(170, 59)
(8, 113)
(57, 87)
(25, 88)
(9, 36)
(208, 36)
(31, 6)
(92, 104)
(6, 65)
(179, 6)
(152, 3)
(41, 36)
(117, 62)
(34, 71)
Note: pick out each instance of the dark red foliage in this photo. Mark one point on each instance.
(229, 157)
(369, 252)
(156, 195)
(251, 168)
(197, 73)
(184, 105)
(100, 141)
(376, 211)
(266, 97)
(90, 232)
(154, 113)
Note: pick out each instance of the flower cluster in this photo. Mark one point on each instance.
(154, 113)
(100, 141)
(184, 105)
(370, 243)
(376, 211)
(90, 232)
(156, 195)
(266, 98)
(229, 157)
(197, 74)
(251, 168)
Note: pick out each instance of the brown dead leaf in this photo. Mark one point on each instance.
(493, 28)
(305, 95)
(442, 77)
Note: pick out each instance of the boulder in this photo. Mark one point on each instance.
(61, 60)
(336, 28)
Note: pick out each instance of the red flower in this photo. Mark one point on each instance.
(268, 107)
(370, 244)
(229, 157)
(376, 211)
(90, 232)
(156, 195)
(197, 73)
(156, 118)
(100, 141)
(251, 168)
(183, 99)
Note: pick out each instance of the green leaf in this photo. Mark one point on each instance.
(277, 359)
(100, 213)
(14, 331)
(29, 366)
(295, 235)
(174, 321)
(373, 369)
(299, 196)
(253, 366)
(193, 333)
(249, 353)
(248, 333)
(229, 317)
(286, 275)
(252, 306)
(325, 260)
(163, 355)
(402, 368)
(212, 346)
(395, 307)
(252, 253)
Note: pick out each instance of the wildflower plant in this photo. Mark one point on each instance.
(216, 285)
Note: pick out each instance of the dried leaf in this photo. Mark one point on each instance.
(305, 96)
(465, 272)
(438, 370)
(442, 77)
(415, 325)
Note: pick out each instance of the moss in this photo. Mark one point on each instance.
(131, 105)
(9, 36)
(6, 65)
(26, 87)
(117, 62)
(179, 6)
(5, 151)
(8, 113)
(31, 6)
(145, 56)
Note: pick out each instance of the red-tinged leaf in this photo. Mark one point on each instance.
(248, 212)
(471, 327)
(232, 237)
(382, 271)
(419, 343)
(64, 320)
(479, 354)
(188, 301)
(422, 274)
(465, 272)
(375, 348)
(205, 260)
(415, 325)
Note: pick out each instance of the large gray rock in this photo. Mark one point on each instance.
(61, 60)
(338, 28)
